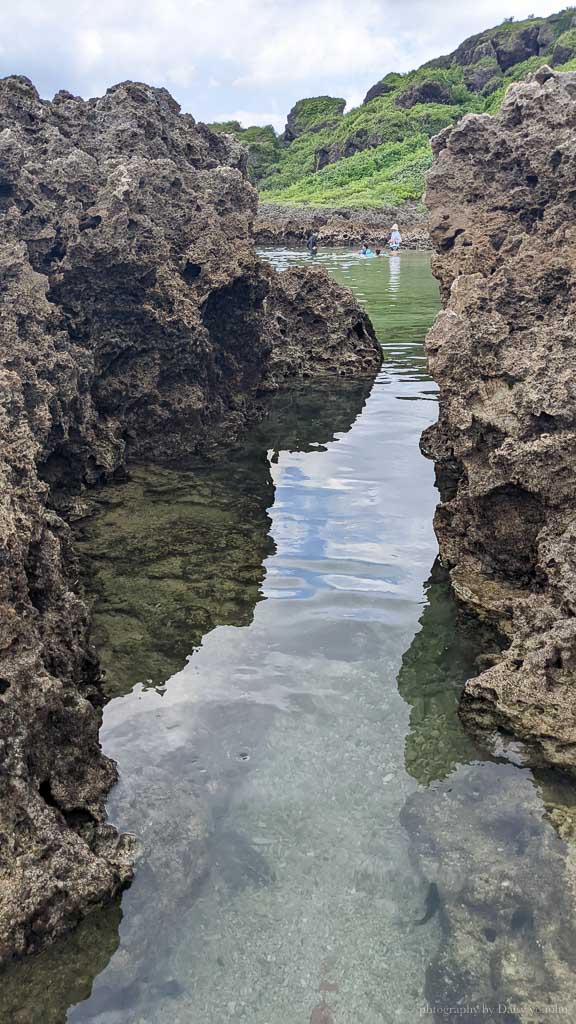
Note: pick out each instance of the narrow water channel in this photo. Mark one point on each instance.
(319, 840)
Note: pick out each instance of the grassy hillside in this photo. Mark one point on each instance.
(379, 152)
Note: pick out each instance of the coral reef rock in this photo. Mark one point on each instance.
(137, 322)
(306, 341)
(501, 200)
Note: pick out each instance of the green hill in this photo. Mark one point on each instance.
(378, 153)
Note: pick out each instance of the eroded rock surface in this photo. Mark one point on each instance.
(501, 200)
(302, 304)
(136, 322)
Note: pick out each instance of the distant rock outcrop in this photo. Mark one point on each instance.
(499, 49)
(289, 225)
(136, 322)
(501, 199)
(382, 146)
(379, 89)
(425, 92)
(312, 115)
(508, 45)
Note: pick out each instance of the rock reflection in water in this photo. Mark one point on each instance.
(492, 839)
(187, 839)
(172, 554)
(443, 654)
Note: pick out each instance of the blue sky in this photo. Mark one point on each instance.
(243, 59)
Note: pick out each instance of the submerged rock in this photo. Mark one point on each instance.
(501, 200)
(505, 884)
(136, 322)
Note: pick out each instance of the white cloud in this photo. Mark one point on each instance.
(251, 117)
(89, 47)
(181, 75)
(327, 36)
(354, 98)
(246, 54)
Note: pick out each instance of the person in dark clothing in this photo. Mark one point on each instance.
(312, 243)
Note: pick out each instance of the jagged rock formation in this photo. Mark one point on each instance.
(501, 200)
(306, 342)
(312, 115)
(135, 323)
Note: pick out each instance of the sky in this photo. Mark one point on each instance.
(247, 60)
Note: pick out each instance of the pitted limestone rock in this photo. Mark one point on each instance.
(501, 201)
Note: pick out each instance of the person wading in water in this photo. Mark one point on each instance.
(312, 243)
(395, 239)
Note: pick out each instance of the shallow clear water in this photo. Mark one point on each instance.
(285, 660)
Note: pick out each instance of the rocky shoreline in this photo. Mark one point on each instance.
(290, 225)
(137, 323)
(501, 201)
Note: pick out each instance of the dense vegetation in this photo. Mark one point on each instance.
(379, 152)
(262, 143)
